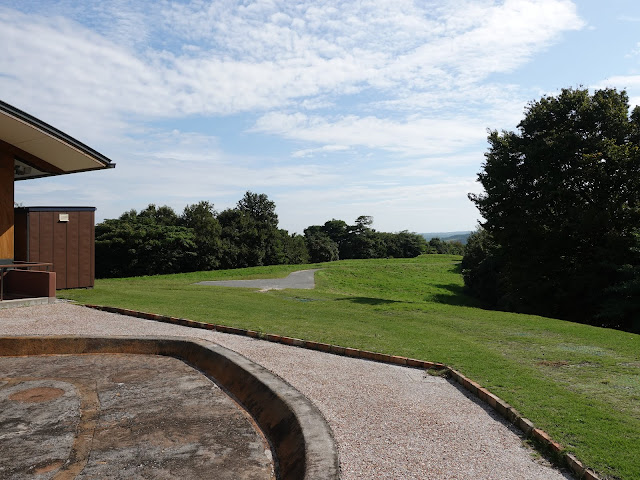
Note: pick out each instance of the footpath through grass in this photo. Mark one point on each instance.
(579, 383)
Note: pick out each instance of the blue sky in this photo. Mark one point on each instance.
(333, 109)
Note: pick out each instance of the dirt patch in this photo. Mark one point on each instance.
(37, 395)
(48, 468)
(549, 363)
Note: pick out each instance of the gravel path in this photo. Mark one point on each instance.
(302, 279)
(390, 422)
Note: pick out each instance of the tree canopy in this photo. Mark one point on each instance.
(561, 209)
(157, 240)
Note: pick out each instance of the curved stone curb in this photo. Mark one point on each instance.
(303, 445)
(496, 403)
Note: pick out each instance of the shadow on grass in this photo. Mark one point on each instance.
(368, 301)
(455, 296)
(457, 268)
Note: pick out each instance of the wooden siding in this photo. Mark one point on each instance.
(69, 246)
(6, 206)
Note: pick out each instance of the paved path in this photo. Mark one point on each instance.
(389, 422)
(302, 279)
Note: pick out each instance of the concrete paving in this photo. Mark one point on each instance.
(302, 279)
(122, 417)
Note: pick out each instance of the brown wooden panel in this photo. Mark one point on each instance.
(92, 239)
(34, 236)
(30, 283)
(20, 236)
(72, 250)
(60, 251)
(45, 247)
(85, 249)
(6, 206)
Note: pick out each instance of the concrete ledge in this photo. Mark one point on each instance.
(300, 437)
(496, 403)
(26, 302)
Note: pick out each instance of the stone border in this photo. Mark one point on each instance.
(540, 437)
(26, 302)
(300, 437)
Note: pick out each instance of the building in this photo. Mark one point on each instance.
(30, 148)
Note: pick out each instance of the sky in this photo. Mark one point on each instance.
(333, 109)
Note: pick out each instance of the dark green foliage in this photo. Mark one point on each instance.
(201, 219)
(159, 215)
(250, 235)
(403, 244)
(136, 244)
(360, 241)
(320, 246)
(562, 199)
(622, 299)
(294, 248)
(481, 265)
(445, 247)
(157, 240)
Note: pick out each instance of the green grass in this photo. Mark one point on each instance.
(579, 383)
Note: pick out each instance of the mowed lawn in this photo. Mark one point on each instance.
(579, 383)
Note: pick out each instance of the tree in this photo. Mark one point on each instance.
(338, 231)
(437, 245)
(163, 215)
(481, 266)
(142, 244)
(294, 248)
(362, 241)
(562, 197)
(201, 219)
(250, 235)
(320, 246)
(402, 244)
(259, 208)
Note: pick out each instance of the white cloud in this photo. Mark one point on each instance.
(413, 136)
(310, 152)
(424, 207)
(403, 88)
(261, 59)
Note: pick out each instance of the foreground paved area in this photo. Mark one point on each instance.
(390, 422)
(122, 417)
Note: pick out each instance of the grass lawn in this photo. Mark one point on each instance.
(579, 383)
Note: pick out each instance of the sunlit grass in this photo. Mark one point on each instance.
(579, 383)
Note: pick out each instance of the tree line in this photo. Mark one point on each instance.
(157, 240)
(561, 235)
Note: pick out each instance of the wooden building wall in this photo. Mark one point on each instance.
(68, 245)
(6, 207)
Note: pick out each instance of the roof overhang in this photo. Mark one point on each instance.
(40, 150)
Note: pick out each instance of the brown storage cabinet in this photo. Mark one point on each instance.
(63, 236)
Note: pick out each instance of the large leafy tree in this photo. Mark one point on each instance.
(320, 246)
(250, 234)
(561, 201)
(144, 243)
(201, 219)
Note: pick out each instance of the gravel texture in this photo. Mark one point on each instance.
(389, 422)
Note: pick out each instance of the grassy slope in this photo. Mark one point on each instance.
(579, 383)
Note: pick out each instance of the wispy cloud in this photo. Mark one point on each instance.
(268, 54)
(412, 136)
(342, 104)
(309, 152)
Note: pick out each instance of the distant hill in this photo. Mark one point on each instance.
(448, 236)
